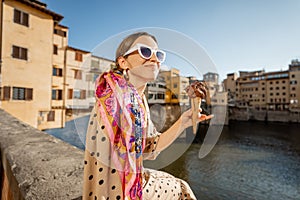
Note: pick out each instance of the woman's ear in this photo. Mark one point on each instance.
(122, 62)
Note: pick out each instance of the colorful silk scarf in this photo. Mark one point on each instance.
(123, 113)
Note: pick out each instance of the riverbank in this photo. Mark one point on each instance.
(246, 114)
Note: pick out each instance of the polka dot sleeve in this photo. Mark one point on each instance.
(152, 140)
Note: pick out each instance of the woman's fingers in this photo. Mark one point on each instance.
(204, 117)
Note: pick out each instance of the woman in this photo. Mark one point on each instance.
(120, 134)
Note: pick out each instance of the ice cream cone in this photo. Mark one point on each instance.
(196, 91)
(196, 104)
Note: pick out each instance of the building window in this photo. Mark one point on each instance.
(56, 71)
(60, 32)
(175, 85)
(293, 82)
(19, 52)
(22, 93)
(283, 88)
(162, 96)
(55, 49)
(56, 94)
(78, 74)
(91, 93)
(271, 88)
(21, 17)
(78, 56)
(283, 81)
(271, 94)
(95, 77)
(51, 116)
(83, 94)
(174, 96)
(283, 93)
(293, 75)
(79, 94)
(5, 93)
(70, 93)
(95, 64)
(76, 94)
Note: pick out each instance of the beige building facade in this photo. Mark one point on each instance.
(44, 81)
(294, 69)
(26, 71)
(96, 65)
(278, 90)
(216, 91)
(56, 116)
(76, 80)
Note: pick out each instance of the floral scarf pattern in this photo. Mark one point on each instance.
(122, 111)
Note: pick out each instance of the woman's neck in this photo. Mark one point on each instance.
(139, 83)
(141, 90)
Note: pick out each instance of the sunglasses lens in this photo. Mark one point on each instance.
(146, 52)
(160, 56)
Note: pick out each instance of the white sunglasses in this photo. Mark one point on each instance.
(146, 52)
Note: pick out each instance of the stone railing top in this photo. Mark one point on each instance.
(43, 166)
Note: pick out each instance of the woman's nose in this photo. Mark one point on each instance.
(153, 58)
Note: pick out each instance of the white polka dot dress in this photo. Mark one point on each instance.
(101, 178)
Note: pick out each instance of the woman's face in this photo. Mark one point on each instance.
(146, 69)
(135, 59)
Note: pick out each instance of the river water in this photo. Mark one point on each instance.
(252, 160)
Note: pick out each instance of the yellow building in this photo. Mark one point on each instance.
(27, 31)
(230, 86)
(175, 85)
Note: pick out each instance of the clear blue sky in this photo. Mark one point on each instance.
(236, 34)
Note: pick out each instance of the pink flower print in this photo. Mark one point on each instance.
(120, 80)
(102, 90)
(122, 83)
(111, 105)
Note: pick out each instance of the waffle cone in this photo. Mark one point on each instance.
(196, 104)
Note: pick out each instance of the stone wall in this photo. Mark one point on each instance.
(35, 165)
(245, 114)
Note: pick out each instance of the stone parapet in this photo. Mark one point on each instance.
(35, 165)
